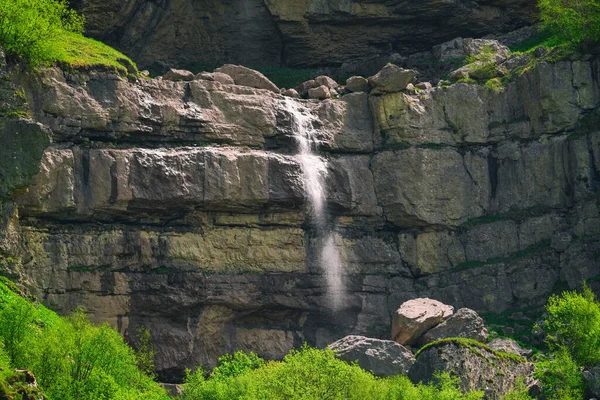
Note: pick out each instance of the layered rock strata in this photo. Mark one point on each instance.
(180, 206)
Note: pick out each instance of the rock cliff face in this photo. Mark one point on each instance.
(180, 205)
(296, 33)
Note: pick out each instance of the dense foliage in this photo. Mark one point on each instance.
(70, 357)
(572, 20)
(572, 326)
(309, 374)
(48, 31)
(27, 26)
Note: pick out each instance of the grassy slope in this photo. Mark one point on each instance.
(72, 50)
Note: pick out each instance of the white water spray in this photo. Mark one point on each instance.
(314, 174)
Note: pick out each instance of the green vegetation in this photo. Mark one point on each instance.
(572, 21)
(573, 325)
(482, 65)
(520, 392)
(308, 374)
(473, 345)
(44, 32)
(70, 357)
(561, 377)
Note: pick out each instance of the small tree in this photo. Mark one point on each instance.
(573, 21)
(144, 352)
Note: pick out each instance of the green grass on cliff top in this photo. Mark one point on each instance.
(73, 50)
(47, 32)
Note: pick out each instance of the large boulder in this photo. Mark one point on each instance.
(324, 80)
(391, 78)
(319, 93)
(178, 75)
(415, 317)
(465, 323)
(248, 77)
(304, 87)
(509, 346)
(382, 357)
(216, 77)
(477, 366)
(357, 84)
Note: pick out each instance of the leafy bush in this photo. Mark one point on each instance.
(573, 324)
(310, 374)
(561, 377)
(519, 392)
(26, 26)
(70, 357)
(571, 20)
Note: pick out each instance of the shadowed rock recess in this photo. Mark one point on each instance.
(295, 33)
(180, 205)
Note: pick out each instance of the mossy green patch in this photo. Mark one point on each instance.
(472, 345)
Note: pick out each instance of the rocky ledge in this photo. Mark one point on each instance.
(179, 204)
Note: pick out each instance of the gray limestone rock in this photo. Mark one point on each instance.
(477, 368)
(464, 323)
(357, 84)
(382, 357)
(178, 75)
(248, 77)
(509, 346)
(391, 79)
(319, 93)
(326, 81)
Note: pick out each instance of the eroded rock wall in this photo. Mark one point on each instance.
(295, 33)
(180, 205)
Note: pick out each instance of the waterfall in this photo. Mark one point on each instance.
(314, 175)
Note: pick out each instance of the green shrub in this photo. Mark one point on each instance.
(308, 374)
(571, 20)
(573, 324)
(519, 392)
(145, 352)
(26, 26)
(70, 357)
(561, 377)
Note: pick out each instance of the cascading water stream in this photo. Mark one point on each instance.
(314, 174)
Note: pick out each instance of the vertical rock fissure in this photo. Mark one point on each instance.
(314, 175)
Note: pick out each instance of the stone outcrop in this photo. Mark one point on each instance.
(415, 317)
(391, 79)
(477, 367)
(592, 379)
(464, 323)
(382, 357)
(247, 77)
(509, 346)
(290, 32)
(180, 205)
